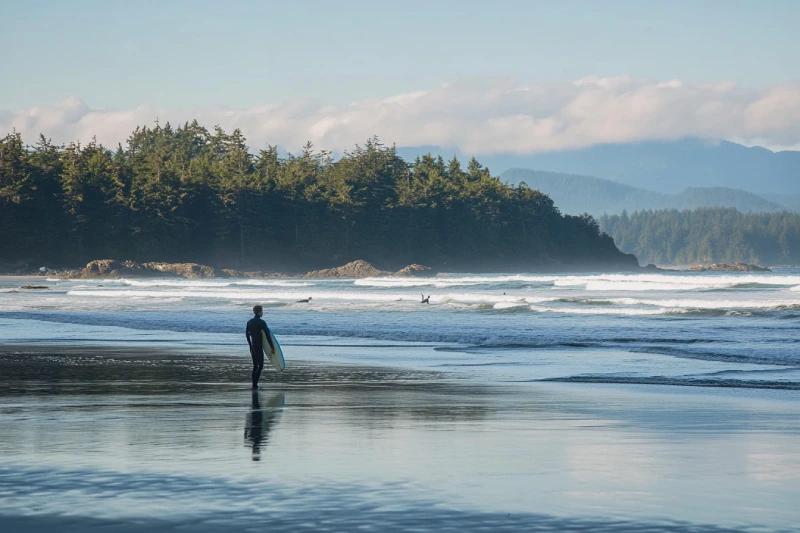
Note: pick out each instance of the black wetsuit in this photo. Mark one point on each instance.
(253, 333)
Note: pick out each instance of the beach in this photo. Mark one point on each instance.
(99, 438)
(526, 402)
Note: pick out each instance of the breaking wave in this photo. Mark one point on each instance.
(150, 283)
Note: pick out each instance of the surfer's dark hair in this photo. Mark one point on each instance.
(257, 309)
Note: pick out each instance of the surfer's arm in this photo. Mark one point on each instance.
(247, 335)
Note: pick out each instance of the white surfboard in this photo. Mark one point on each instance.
(277, 359)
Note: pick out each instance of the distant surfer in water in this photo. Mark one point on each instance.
(304, 301)
(426, 300)
(253, 333)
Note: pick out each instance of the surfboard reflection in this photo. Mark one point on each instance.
(260, 421)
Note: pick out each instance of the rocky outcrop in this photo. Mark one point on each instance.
(354, 269)
(111, 268)
(114, 269)
(187, 270)
(365, 269)
(416, 271)
(729, 267)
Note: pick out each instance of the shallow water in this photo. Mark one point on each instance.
(97, 437)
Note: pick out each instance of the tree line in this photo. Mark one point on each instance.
(707, 235)
(189, 194)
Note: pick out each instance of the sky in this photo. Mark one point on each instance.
(508, 75)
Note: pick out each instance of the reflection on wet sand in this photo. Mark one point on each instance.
(261, 420)
(147, 438)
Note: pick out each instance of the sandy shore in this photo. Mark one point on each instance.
(119, 439)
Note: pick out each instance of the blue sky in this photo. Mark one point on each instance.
(513, 75)
(242, 53)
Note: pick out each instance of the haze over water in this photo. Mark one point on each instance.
(605, 402)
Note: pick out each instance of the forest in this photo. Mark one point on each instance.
(189, 194)
(707, 235)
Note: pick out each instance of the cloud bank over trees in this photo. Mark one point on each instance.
(478, 116)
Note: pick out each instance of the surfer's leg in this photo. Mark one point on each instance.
(258, 369)
(258, 364)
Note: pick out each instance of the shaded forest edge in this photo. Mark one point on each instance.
(707, 235)
(186, 194)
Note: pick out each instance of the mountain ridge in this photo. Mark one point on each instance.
(576, 194)
(661, 166)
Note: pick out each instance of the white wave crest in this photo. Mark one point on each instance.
(190, 283)
(605, 310)
(274, 283)
(487, 297)
(240, 293)
(633, 282)
(572, 282)
(722, 305)
(230, 293)
(397, 283)
(508, 305)
(692, 303)
(648, 286)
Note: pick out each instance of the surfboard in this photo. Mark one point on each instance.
(277, 360)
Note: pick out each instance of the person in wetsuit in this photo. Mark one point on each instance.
(253, 333)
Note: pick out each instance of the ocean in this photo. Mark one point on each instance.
(701, 329)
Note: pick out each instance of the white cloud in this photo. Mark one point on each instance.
(478, 116)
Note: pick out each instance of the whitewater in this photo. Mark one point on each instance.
(704, 329)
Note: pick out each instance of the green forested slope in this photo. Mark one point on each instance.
(672, 237)
(187, 194)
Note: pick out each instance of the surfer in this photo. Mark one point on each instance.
(304, 301)
(253, 333)
(426, 300)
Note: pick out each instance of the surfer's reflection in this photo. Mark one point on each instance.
(260, 420)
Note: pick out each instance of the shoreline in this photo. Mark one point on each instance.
(109, 268)
(369, 371)
(75, 274)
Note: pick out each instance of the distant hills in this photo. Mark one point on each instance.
(707, 235)
(665, 167)
(574, 194)
(790, 201)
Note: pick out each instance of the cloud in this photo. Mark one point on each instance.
(477, 116)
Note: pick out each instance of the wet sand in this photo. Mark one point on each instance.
(117, 439)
